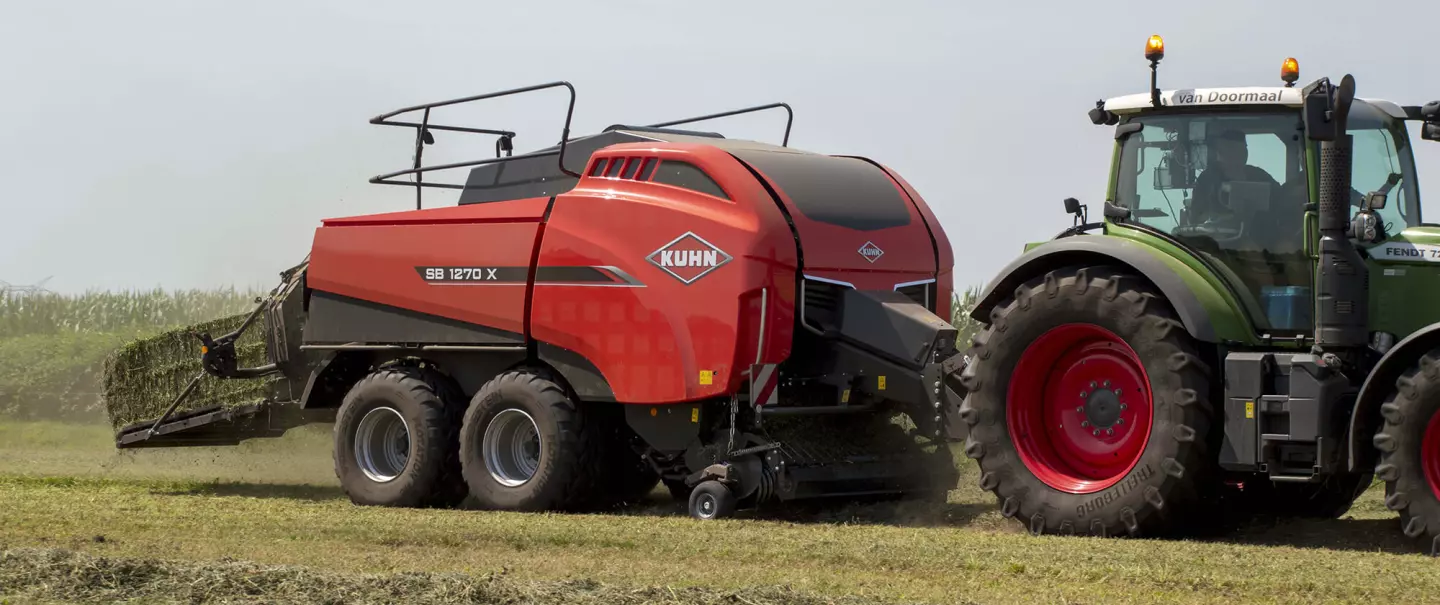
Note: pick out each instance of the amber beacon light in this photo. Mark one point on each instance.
(1155, 48)
(1290, 71)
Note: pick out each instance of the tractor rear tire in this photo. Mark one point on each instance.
(1090, 409)
(527, 446)
(396, 440)
(1409, 444)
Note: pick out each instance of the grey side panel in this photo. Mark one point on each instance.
(1083, 248)
(1364, 420)
(335, 319)
(582, 375)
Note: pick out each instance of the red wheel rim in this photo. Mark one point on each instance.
(1430, 453)
(1079, 408)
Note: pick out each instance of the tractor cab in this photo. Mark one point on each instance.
(1230, 176)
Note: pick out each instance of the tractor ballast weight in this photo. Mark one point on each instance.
(743, 321)
(1215, 346)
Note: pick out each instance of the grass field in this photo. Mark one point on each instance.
(266, 522)
(83, 522)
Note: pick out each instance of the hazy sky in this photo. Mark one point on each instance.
(158, 143)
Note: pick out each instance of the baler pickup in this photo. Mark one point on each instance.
(221, 403)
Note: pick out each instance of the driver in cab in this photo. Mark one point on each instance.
(1230, 162)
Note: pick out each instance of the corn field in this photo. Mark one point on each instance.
(135, 312)
(53, 346)
(960, 306)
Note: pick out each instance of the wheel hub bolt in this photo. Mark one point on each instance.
(1080, 409)
(1119, 421)
(1092, 384)
(1109, 431)
(1084, 423)
(1084, 394)
(1096, 432)
(1122, 406)
(1107, 384)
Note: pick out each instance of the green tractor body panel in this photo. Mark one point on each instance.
(1405, 281)
(1226, 311)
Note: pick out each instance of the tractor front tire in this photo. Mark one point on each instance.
(1090, 410)
(396, 440)
(527, 446)
(1409, 444)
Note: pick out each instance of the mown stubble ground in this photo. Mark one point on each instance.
(275, 503)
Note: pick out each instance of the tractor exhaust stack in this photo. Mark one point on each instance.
(1342, 285)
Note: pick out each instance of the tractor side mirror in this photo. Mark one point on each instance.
(1430, 131)
(1326, 116)
(1079, 211)
(1317, 106)
(1376, 200)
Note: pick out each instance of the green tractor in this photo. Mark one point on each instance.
(1244, 330)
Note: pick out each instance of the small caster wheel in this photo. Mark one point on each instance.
(711, 500)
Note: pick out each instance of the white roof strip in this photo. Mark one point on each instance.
(1190, 97)
(1238, 95)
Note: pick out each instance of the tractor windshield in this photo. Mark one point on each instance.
(1233, 186)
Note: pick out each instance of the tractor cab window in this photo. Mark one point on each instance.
(1380, 146)
(1232, 187)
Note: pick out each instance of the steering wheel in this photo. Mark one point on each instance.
(1222, 229)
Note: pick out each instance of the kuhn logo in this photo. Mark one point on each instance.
(688, 258)
(871, 252)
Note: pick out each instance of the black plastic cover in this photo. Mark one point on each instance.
(1246, 375)
(841, 191)
(891, 324)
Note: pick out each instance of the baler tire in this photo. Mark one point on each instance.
(1151, 483)
(712, 500)
(1409, 445)
(570, 460)
(431, 417)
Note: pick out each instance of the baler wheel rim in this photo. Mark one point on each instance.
(512, 447)
(1079, 408)
(382, 444)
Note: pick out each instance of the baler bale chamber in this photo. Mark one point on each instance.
(187, 388)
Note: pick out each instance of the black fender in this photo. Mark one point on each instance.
(1096, 250)
(1365, 417)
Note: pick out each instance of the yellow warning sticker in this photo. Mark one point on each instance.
(707, 376)
(845, 396)
(694, 414)
(1249, 409)
(882, 383)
